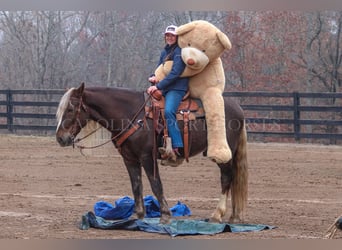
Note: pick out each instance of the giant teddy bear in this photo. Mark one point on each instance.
(202, 45)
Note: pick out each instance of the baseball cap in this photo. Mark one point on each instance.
(171, 29)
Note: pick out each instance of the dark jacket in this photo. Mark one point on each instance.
(172, 81)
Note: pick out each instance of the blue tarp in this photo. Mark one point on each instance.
(108, 216)
(174, 228)
(339, 223)
(124, 207)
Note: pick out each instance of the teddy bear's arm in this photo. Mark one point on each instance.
(177, 69)
(162, 55)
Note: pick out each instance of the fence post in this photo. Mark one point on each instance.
(296, 116)
(9, 100)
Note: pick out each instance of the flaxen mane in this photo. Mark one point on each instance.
(63, 104)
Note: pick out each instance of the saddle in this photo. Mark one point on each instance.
(189, 109)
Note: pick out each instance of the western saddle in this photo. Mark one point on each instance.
(189, 109)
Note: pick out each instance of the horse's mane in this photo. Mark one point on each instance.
(63, 104)
(92, 138)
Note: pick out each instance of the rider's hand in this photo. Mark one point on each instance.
(153, 79)
(151, 89)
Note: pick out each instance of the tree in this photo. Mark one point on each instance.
(322, 56)
(262, 46)
(282, 50)
(35, 47)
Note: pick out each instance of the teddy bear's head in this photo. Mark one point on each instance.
(201, 43)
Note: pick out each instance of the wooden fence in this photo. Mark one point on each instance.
(279, 116)
(29, 110)
(293, 116)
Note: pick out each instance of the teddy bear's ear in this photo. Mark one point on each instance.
(185, 28)
(224, 40)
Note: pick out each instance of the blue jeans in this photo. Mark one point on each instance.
(172, 101)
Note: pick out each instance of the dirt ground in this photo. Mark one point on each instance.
(45, 189)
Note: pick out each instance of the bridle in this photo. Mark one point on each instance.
(117, 137)
(77, 118)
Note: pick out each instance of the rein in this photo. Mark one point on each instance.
(122, 132)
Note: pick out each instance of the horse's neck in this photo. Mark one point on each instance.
(112, 108)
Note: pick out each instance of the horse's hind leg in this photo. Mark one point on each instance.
(157, 188)
(226, 180)
(134, 171)
(220, 210)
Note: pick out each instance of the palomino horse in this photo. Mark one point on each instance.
(120, 110)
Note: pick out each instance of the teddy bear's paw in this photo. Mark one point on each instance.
(220, 156)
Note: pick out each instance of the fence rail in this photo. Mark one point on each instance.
(293, 116)
(323, 113)
(32, 110)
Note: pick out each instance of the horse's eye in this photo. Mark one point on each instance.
(189, 44)
(203, 51)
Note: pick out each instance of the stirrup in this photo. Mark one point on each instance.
(169, 162)
(163, 154)
(168, 154)
(171, 158)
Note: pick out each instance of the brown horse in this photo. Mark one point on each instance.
(120, 110)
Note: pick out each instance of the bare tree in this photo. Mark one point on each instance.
(58, 49)
(36, 46)
(322, 55)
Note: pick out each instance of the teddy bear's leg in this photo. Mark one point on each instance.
(213, 104)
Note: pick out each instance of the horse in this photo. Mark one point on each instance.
(121, 110)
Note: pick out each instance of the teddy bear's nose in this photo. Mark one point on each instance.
(190, 61)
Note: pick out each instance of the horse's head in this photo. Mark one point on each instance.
(71, 116)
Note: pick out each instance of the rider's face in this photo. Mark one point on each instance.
(170, 39)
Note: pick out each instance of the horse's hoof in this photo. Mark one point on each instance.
(134, 217)
(165, 220)
(137, 216)
(235, 219)
(215, 218)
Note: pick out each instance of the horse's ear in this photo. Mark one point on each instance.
(80, 89)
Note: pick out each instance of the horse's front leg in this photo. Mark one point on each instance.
(152, 173)
(134, 171)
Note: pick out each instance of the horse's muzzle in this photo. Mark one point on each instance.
(65, 141)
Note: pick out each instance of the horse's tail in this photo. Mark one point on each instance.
(239, 189)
